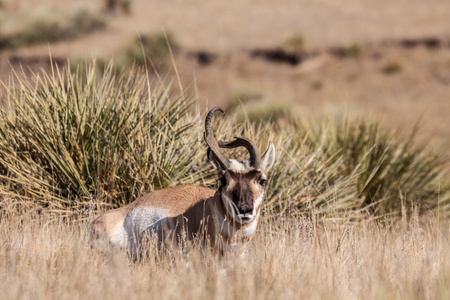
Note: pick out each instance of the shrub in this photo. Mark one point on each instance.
(70, 142)
(351, 51)
(295, 42)
(242, 97)
(150, 50)
(392, 67)
(385, 166)
(52, 28)
(113, 5)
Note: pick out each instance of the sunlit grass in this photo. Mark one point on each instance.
(72, 142)
(287, 259)
(69, 142)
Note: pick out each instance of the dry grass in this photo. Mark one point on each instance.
(47, 257)
(288, 259)
(70, 142)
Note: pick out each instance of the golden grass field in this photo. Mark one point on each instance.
(43, 257)
(288, 259)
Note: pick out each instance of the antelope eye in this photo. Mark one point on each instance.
(262, 181)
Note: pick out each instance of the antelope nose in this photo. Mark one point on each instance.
(245, 210)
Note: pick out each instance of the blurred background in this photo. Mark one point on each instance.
(388, 59)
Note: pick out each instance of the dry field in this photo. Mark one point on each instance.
(288, 259)
(405, 85)
(385, 58)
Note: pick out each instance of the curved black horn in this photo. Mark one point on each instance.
(211, 140)
(255, 157)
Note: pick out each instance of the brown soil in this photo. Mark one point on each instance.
(400, 71)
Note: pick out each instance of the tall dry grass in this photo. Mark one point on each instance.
(71, 143)
(41, 258)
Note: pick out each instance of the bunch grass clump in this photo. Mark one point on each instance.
(50, 28)
(351, 167)
(69, 141)
(153, 51)
(390, 171)
(112, 6)
(73, 142)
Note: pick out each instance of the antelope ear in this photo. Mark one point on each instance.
(214, 161)
(268, 158)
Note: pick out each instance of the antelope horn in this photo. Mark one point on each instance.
(211, 140)
(255, 157)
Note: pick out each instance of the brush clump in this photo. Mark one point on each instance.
(73, 142)
(35, 29)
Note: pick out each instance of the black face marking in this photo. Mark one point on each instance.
(223, 181)
(241, 192)
(243, 197)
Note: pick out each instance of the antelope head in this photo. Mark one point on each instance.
(241, 182)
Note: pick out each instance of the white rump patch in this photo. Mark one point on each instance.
(140, 218)
(119, 235)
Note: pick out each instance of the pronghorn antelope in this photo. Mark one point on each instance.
(224, 219)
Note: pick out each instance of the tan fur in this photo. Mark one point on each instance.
(173, 200)
(191, 213)
(225, 219)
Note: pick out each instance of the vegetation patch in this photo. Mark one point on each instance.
(243, 97)
(70, 142)
(392, 67)
(113, 6)
(351, 51)
(150, 50)
(391, 172)
(49, 28)
(295, 42)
